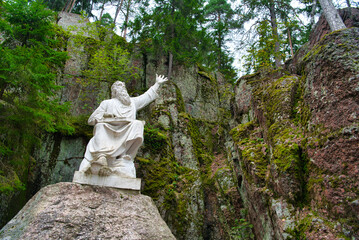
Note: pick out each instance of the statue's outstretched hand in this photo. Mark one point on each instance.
(161, 79)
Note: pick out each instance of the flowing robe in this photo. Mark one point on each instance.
(119, 135)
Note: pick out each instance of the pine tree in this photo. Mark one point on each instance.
(29, 63)
(172, 27)
(220, 16)
(287, 32)
(180, 31)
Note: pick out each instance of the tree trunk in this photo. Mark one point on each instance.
(119, 6)
(219, 43)
(66, 7)
(72, 5)
(69, 6)
(348, 3)
(312, 13)
(170, 64)
(290, 42)
(126, 19)
(275, 33)
(331, 14)
(170, 54)
(102, 8)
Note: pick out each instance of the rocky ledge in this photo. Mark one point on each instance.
(75, 211)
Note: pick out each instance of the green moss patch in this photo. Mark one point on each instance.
(155, 140)
(9, 180)
(253, 152)
(242, 131)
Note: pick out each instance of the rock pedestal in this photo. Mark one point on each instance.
(75, 211)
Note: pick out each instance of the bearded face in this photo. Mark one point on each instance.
(119, 91)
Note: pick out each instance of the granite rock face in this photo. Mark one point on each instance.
(190, 176)
(299, 157)
(74, 211)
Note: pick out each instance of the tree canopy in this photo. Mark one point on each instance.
(29, 62)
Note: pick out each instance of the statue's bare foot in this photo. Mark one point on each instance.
(105, 171)
(87, 169)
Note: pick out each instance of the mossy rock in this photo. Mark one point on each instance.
(289, 161)
(155, 139)
(242, 131)
(277, 98)
(9, 180)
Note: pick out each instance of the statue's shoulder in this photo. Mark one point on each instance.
(108, 101)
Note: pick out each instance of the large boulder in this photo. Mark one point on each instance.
(74, 211)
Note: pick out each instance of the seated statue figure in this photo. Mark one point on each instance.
(117, 133)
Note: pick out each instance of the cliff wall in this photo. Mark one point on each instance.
(273, 157)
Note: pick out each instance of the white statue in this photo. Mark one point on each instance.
(117, 133)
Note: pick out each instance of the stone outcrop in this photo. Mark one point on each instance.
(186, 160)
(299, 151)
(74, 211)
(350, 18)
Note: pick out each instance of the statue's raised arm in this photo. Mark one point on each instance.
(150, 95)
(117, 133)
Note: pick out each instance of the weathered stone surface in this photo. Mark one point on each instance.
(350, 18)
(298, 157)
(56, 160)
(194, 112)
(332, 86)
(74, 211)
(72, 21)
(332, 79)
(321, 28)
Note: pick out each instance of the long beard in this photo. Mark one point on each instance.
(124, 98)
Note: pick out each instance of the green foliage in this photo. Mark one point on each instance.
(220, 17)
(79, 6)
(261, 52)
(277, 29)
(109, 58)
(109, 64)
(178, 27)
(26, 23)
(29, 62)
(106, 20)
(56, 5)
(171, 27)
(242, 230)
